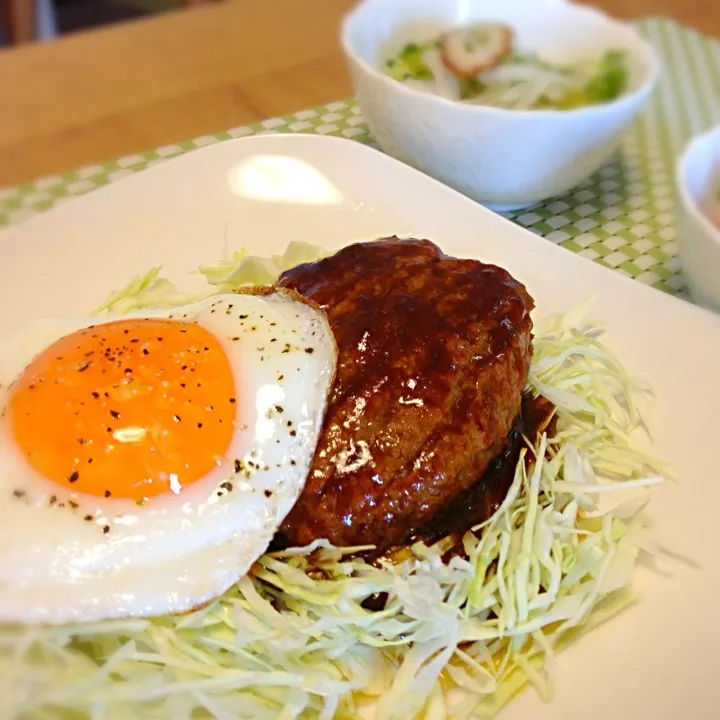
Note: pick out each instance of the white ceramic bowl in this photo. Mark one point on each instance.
(503, 158)
(698, 173)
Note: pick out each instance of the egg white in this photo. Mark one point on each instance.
(177, 551)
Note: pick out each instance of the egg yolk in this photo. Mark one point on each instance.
(126, 409)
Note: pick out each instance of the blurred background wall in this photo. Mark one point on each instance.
(58, 17)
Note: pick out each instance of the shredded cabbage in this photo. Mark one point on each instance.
(148, 290)
(454, 638)
(241, 269)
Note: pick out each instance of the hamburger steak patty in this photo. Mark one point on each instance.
(434, 352)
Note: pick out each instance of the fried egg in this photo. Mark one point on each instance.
(148, 460)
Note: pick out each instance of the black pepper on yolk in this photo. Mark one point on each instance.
(126, 409)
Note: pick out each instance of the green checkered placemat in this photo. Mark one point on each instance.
(622, 217)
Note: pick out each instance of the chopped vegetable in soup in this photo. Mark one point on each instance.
(479, 64)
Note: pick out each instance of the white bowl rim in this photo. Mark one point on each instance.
(688, 201)
(653, 73)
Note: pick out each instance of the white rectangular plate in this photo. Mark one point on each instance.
(658, 659)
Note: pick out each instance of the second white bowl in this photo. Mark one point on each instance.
(505, 159)
(698, 176)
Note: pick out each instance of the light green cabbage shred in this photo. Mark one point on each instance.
(242, 269)
(146, 291)
(453, 639)
(239, 270)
